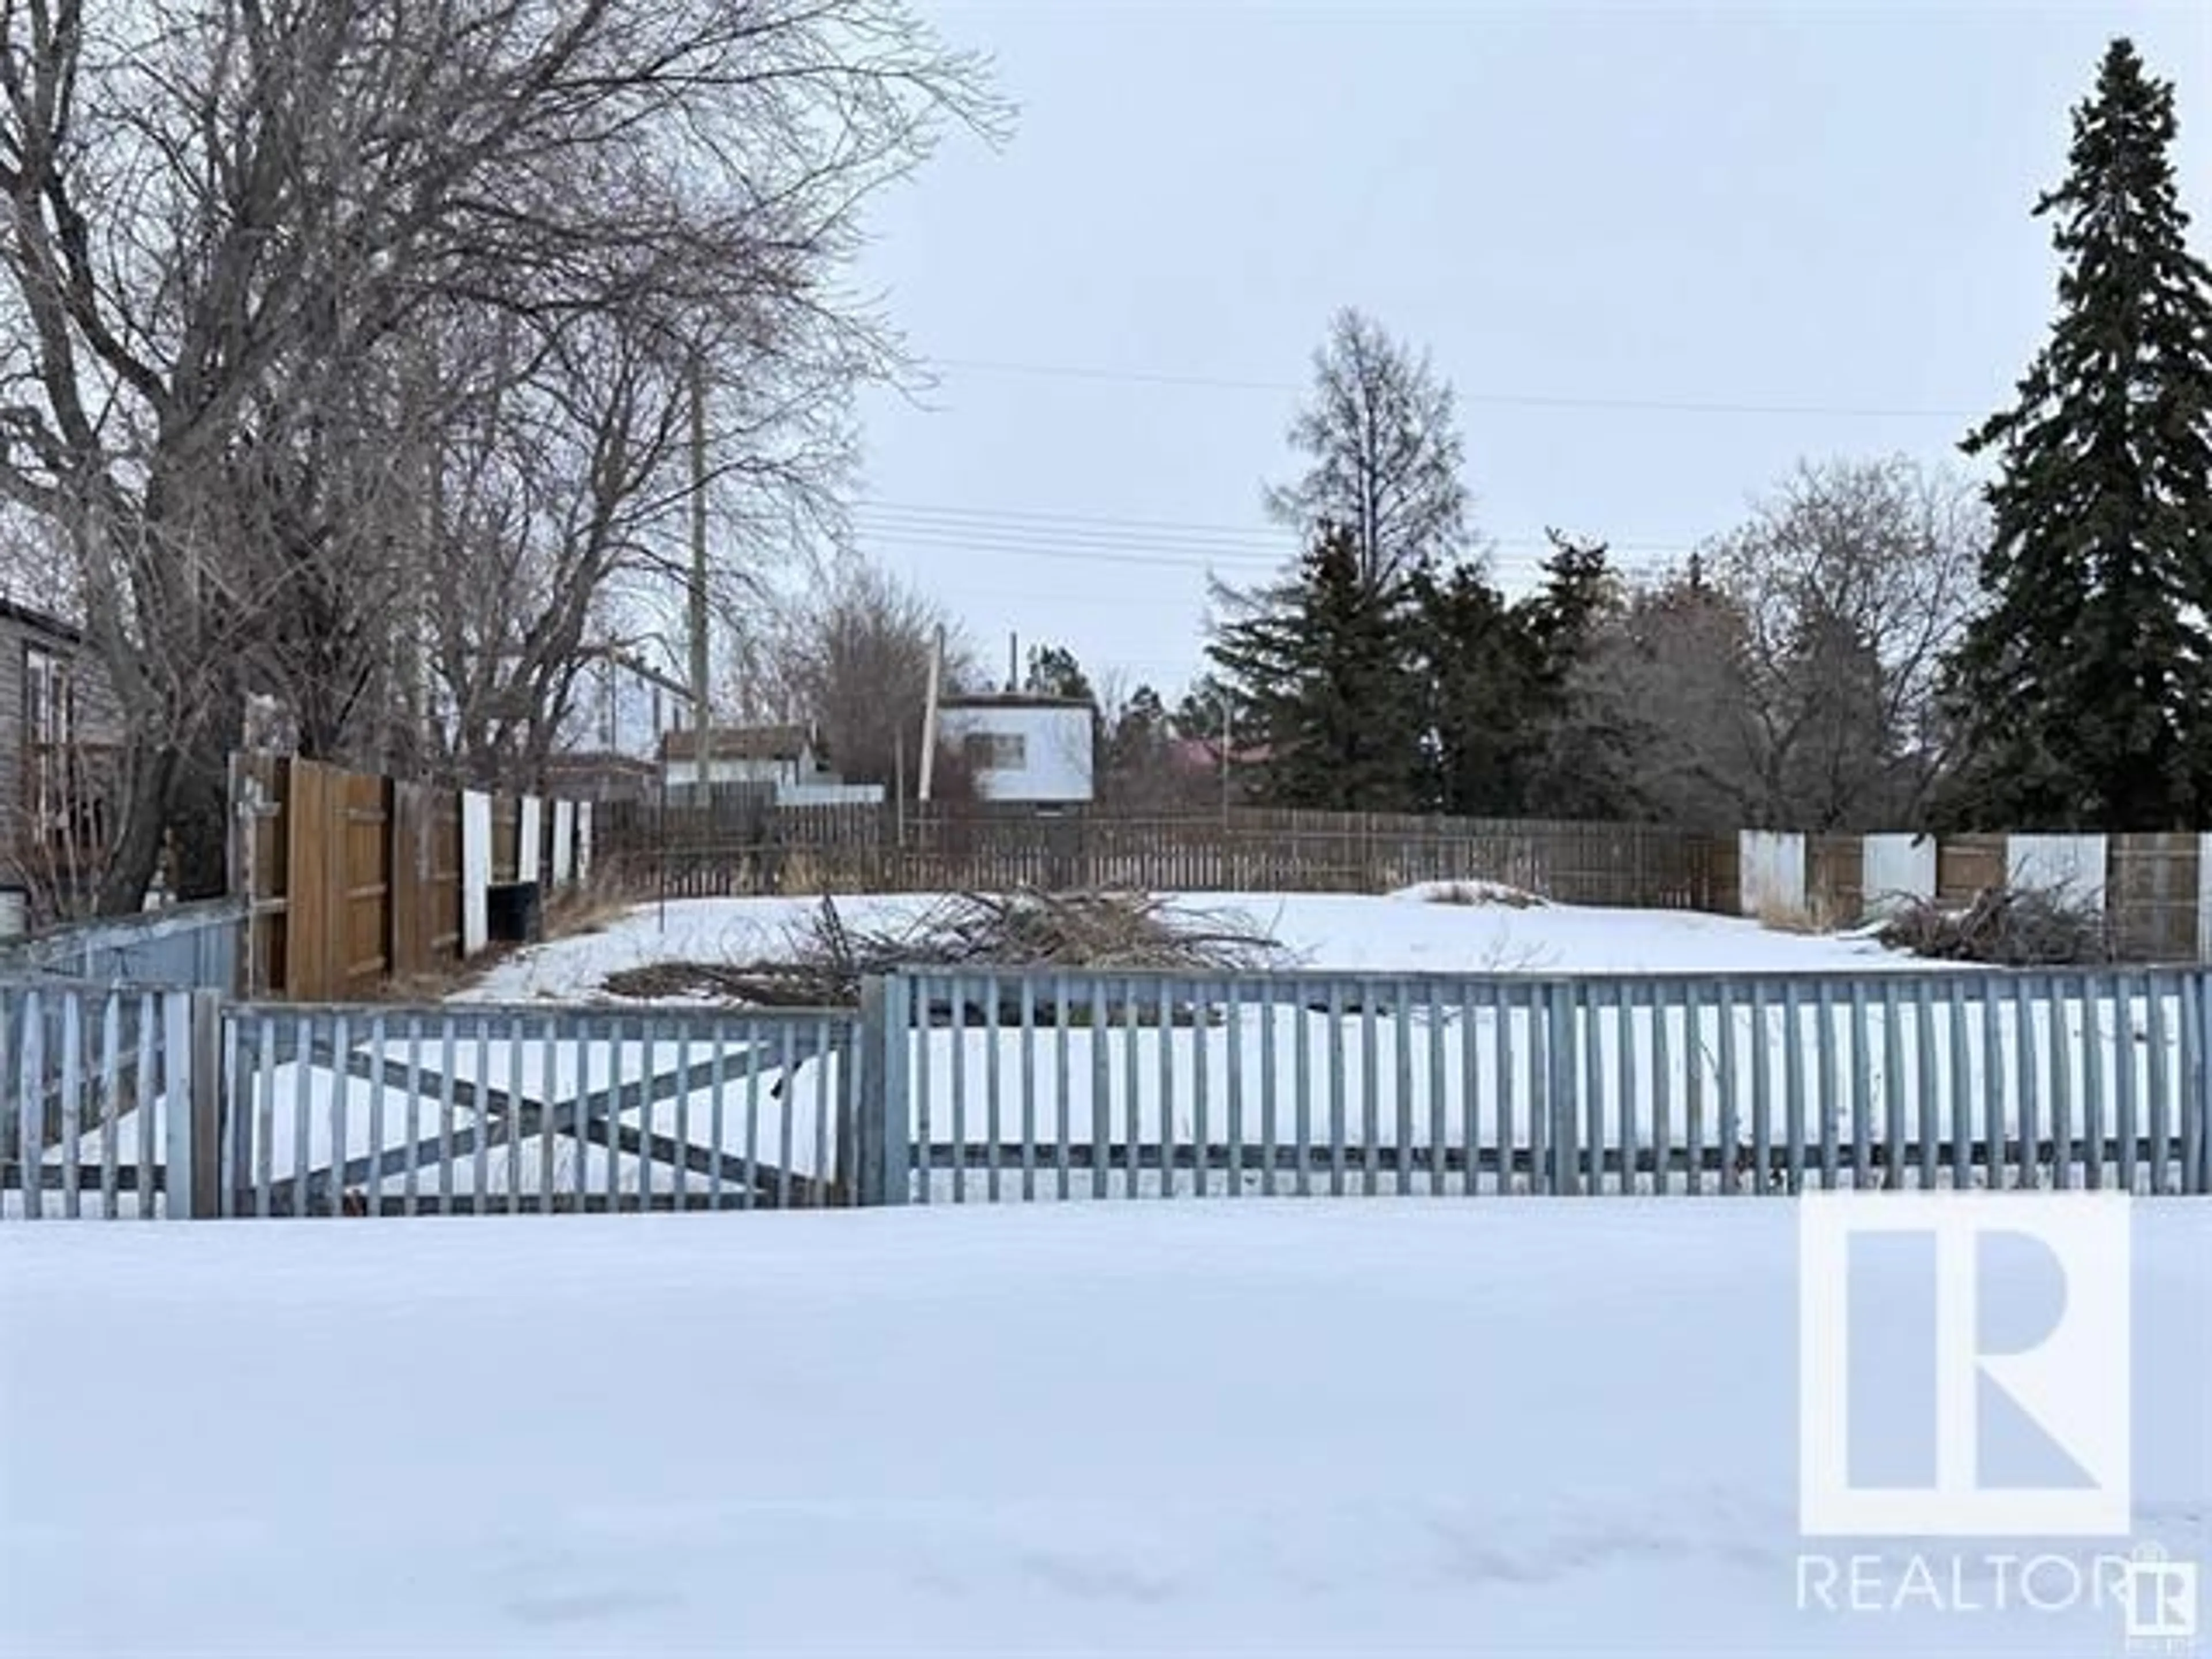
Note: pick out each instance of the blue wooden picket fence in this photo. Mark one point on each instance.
(1007, 1086)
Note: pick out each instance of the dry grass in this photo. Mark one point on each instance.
(1778, 917)
(583, 910)
(1474, 894)
(568, 915)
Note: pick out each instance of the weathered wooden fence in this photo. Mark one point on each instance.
(353, 879)
(753, 847)
(2155, 890)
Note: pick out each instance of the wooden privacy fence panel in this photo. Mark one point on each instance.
(261, 863)
(426, 878)
(338, 908)
(1835, 880)
(506, 837)
(1965, 865)
(356, 878)
(2151, 895)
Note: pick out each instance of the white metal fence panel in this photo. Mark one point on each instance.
(2072, 865)
(1771, 880)
(475, 871)
(85, 1074)
(1896, 869)
(1139, 1086)
(530, 843)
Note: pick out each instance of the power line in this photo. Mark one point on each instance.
(1166, 553)
(1505, 560)
(1106, 529)
(1501, 399)
(1271, 534)
(1090, 525)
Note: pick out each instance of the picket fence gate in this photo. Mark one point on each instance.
(1007, 1086)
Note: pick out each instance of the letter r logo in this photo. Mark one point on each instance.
(2021, 1357)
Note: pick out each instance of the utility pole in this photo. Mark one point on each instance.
(929, 717)
(702, 737)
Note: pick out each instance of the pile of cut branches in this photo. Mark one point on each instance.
(2004, 928)
(827, 956)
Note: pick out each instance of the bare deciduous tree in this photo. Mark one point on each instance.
(234, 226)
(1853, 582)
(1383, 452)
(853, 662)
(1791, 681)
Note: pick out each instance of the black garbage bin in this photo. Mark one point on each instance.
(514, 913)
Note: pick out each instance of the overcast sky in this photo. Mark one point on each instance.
(1661, 253)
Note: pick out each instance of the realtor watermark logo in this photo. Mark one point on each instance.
(2156, 1598)
(1964, 1374)
(2161, 1610)
(1927, 1407)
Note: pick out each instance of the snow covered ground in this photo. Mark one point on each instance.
(1348, 934)
(1551, 1428)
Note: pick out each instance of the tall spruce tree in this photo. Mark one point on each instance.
(2085, 684)
(1325, 665)
(1475, 662)
(1564, 773)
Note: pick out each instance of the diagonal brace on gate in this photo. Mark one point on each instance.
(499, 1114)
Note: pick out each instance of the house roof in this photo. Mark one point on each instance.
(1011, 700)
(53, 626)
(1204, 754)
(769, 743)
(598, 760)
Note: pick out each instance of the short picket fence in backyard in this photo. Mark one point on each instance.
(120, 1101)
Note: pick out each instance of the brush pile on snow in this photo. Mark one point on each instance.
(1471, 893)
(2004, 928)
(827, 956)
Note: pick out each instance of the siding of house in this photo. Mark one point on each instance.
(1055, 745)
(14, 635)
(21, 630)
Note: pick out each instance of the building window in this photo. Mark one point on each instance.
(49, 731)
(995, 751)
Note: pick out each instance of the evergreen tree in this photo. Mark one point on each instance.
(1475, 660)
(1138, 741)
(1197, 717)
(1579, 587)
(1054, 672)
(1324, 662)
(2086, 685)
(1563, 771)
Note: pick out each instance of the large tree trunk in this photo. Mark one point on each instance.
(142, 781)
(199, 820)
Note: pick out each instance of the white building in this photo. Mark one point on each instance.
(782, 756)
(785, 759)
(1023, 748)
